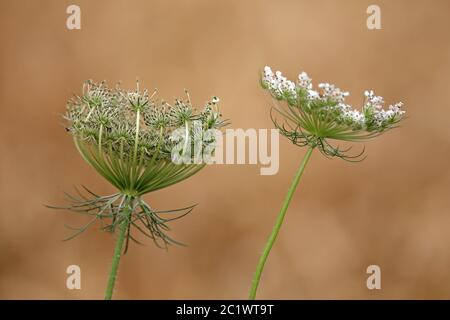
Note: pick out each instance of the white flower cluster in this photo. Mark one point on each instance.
(372, 118)
(377, 116)
(330, 91)
(351, 116)
(279, 85)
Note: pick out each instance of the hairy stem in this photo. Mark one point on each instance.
(278, 223)
(123, 227)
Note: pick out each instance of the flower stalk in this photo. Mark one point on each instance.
(278, 223)
(123, 228)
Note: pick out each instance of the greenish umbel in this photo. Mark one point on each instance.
(129, 138)
(315, 119)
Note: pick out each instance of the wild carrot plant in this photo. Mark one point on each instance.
(317, 119)
(139, 144)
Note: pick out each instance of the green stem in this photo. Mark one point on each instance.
(123, 227)
(278, 223)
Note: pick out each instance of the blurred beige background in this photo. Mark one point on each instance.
(392, 210)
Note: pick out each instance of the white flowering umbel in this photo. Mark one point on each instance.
(126, 136)
(314, 117)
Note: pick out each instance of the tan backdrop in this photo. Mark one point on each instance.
(391, 210)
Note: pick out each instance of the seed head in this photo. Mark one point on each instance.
(126, 134)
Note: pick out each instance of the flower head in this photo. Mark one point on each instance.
(128, 137)
(125, 135)
(312, 117)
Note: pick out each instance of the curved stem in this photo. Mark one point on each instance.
(278, 223)
(123, 227)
